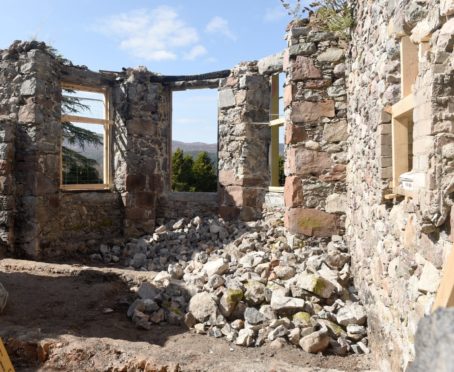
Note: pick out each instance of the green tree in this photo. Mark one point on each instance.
(195, 176)
(182, 174)
(281, 171)
(205, 178)
(77, 168)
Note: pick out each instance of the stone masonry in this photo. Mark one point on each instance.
(398, 244)
(338, 101)
(315, 133)
(244, 138)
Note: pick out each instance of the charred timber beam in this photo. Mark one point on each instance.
(173, 79)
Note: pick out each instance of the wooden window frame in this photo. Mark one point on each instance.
(275, 123)
(402, 113)
(107, 181)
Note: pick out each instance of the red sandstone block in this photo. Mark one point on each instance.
(288, 95)
(294, 134)
(311, 222)
(293, 192)
(304, 162)
(303, 68)
(312, 111)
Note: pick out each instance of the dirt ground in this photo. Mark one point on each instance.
(73, 318)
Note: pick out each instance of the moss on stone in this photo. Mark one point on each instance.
(302, 318)
(310, 223)
(319, 286)
(234, 295)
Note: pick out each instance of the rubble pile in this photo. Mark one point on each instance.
(245, 282)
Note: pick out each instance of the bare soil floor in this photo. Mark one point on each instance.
(73, 318)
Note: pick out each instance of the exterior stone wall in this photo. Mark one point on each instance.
(47, 220)
(315, 133)
(244, 139)
(141, 148)
(176, 205)
(398, 244)
(7, 185)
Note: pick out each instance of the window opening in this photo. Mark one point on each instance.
(277, 121)
(404, 180)
(194, 141)
(86, 137)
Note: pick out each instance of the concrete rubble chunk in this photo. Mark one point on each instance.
(281, 303)
(253, 316)
(216, 267)
(315, 284)
(315, 342)
(351, 314)
(202, 306)
(245, 337)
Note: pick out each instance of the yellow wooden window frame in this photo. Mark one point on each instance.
(402, 113)
(107, 138)
(275, 123)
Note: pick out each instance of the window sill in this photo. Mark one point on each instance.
(279, 189)
(71, 188)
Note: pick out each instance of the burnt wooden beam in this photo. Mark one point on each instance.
(174, 78)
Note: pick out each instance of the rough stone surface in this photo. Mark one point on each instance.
(397, 246)
(434, 342)
(202, 306)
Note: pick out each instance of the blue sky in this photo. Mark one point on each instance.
(169, 37)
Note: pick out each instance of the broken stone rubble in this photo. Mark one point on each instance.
(244, 282)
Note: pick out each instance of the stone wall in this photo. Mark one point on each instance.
(50, 221)
(7, 185)
(398, 243)
(244, 138)
(315, 133)
(141, 148)
(176, 205)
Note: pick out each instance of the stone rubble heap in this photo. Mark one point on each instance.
(245, 282)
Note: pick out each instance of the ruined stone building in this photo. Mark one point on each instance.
(369, 154)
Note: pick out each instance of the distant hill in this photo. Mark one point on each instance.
(194, 148)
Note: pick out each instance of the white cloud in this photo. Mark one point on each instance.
(220, 25)
(274, 14)
(195, 52)
(158, 34)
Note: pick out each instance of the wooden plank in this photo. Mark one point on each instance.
(274, 155)
(399, 149)
(85, 88)
(5, 362)
(83, 119)
(409, 65)
(279, 122)
(403, 107)
(86, 187)
(445, 293)
(274, 115)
